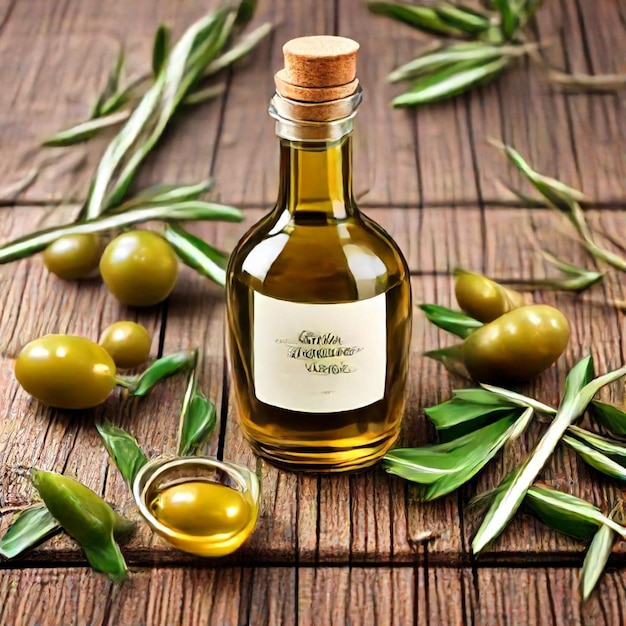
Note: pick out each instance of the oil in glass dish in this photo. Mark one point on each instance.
(199, 505)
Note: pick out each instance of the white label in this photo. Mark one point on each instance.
(319, 358)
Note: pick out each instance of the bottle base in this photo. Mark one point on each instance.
(323, 460)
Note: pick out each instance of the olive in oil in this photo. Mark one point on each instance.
(203, 517)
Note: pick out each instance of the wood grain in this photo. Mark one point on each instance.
(543, 596)
(227, 596)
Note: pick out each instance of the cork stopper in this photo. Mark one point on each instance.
(318, 69)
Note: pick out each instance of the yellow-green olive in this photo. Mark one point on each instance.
(127, 342)
(483, 298)
(65, 371)
(139, 268)
(73, 256)
(517, 345)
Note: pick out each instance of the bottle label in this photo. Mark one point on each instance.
(319, 358)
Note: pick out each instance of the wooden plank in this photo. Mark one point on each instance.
(262, 596)
(440, 596)
(54, 68)
(592, 42)
(150, 596)
(507, 596)
(358, 596)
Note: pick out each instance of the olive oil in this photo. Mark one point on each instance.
(204, 517)
(318, 299)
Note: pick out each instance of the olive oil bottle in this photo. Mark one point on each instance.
(318, 295)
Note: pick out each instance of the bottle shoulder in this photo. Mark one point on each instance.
(330, 255)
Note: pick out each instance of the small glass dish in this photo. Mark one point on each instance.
(198, 504)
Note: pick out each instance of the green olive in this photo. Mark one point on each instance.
(65, 371)
(128, 343)
(483, 298)
(73, 256)
(139, 268)
(516, 346)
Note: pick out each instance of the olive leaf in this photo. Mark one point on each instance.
(102, 105)
(166, 194)
(610, 447)
(451, 81)
(106, 557)
(123, 450)
(186, 210)
(596, 559)
(596, 459)
(148, 120)
(206, 94)
(85, 130)
(444, 467)
(457, 417)
(578, 279)
(465, 19)
(514, 14)
(161, 369)
(566, 200)
(245, 12)
(197, 418)
(197, 254)
(556, 193)
(567, 513)
(477, 395)
(160, 48)
(450, 320)
(481, 451)
(609, 416)
(500, 394)
(451, 358)
(180, 73)
(437, 57)
(238, 51)
(29, 528)
(577, 395)
(422, 18)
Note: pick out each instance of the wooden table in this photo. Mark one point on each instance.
(327, 550)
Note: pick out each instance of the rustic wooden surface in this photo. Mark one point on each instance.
(327, 550)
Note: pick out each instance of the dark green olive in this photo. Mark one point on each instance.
(73, 256)
(517, 346)
(65, 371)
(127, 342)
(139, 268)
(483, 298)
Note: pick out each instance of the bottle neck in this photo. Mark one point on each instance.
(316, 178)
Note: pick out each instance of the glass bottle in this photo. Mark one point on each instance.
(318, 297)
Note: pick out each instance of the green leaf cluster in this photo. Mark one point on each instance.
(567, 201)
(475, 424)
(445, 70)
